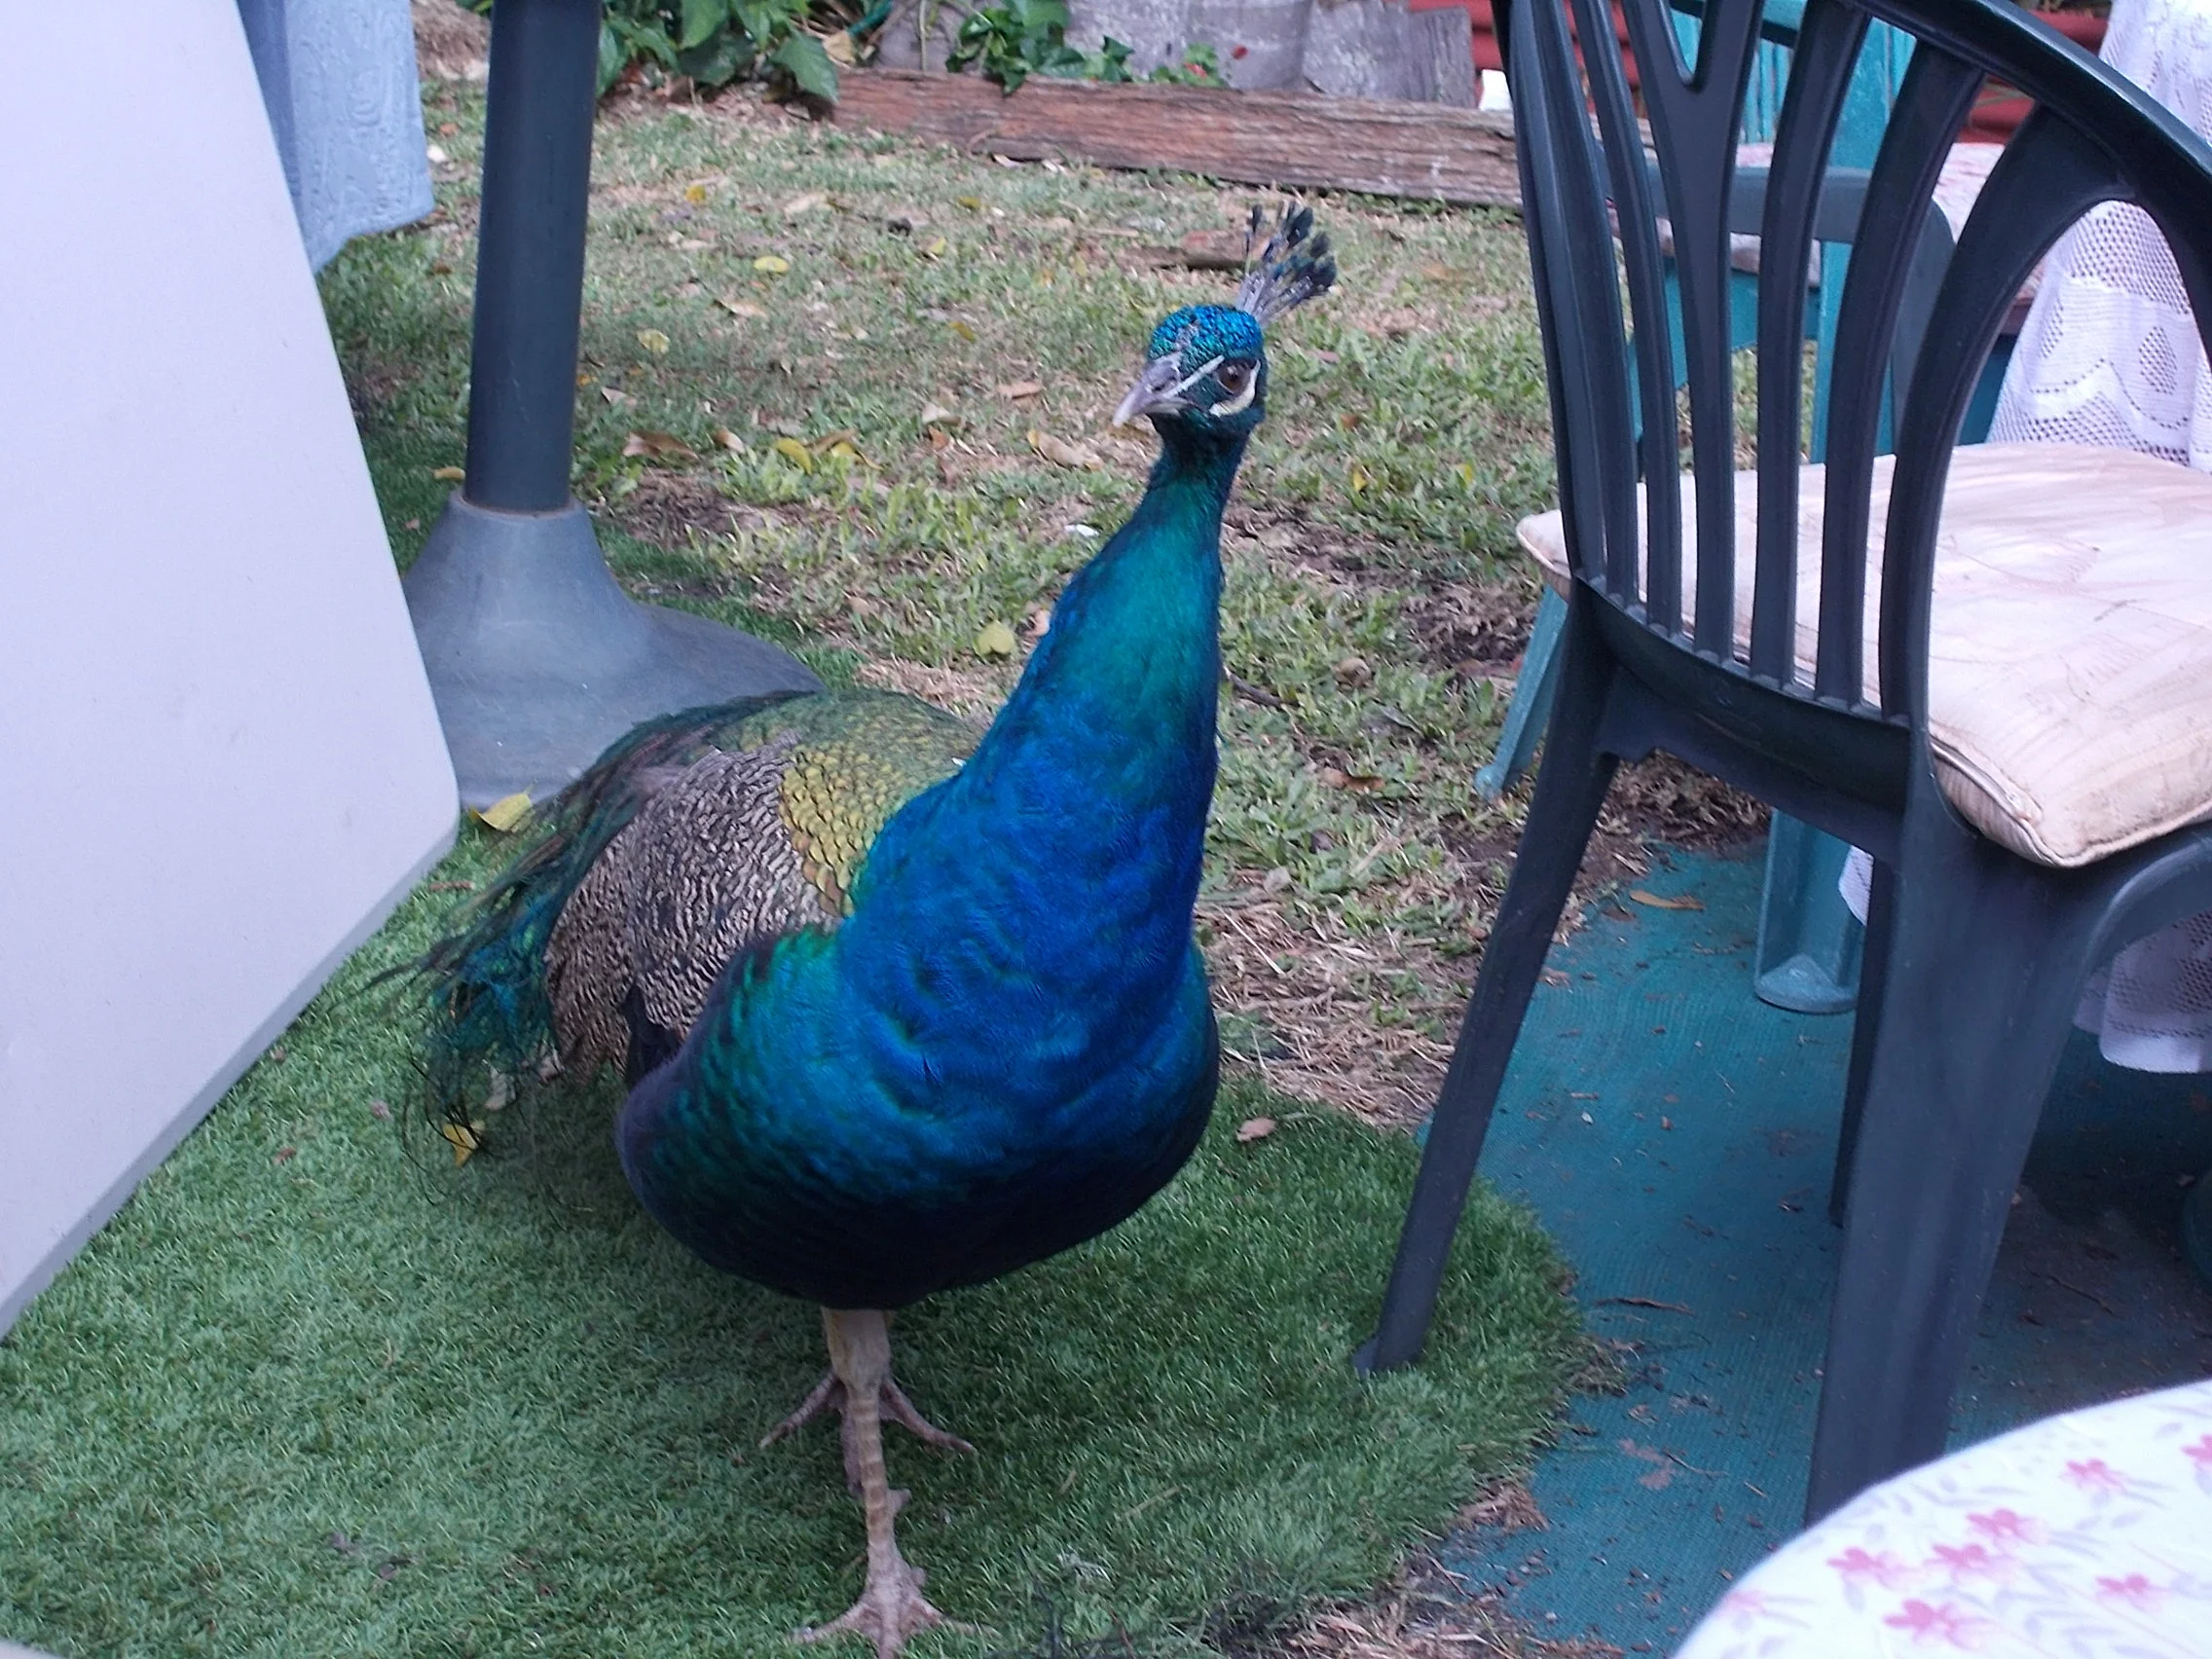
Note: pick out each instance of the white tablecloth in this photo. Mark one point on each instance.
(2088, 1535)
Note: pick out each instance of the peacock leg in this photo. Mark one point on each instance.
(891, 1607)
(830, 1394)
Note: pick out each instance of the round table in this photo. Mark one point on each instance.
(2087, 1535)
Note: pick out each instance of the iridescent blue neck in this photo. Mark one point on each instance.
(1068, 848)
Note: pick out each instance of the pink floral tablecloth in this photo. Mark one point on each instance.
(2088, 1535)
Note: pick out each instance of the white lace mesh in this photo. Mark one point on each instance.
(2110, 354)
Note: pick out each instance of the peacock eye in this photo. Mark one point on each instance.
(1236, 381)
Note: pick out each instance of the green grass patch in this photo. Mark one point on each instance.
(316, 1390)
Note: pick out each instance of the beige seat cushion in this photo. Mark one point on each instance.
(2069, 672)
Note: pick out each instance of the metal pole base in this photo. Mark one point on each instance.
(538, 660)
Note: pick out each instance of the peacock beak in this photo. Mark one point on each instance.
(1158, 391)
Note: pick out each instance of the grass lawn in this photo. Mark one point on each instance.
(316, 1390)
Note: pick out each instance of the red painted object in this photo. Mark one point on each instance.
(1999, 111)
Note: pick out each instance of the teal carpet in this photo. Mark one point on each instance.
(1676, 1135)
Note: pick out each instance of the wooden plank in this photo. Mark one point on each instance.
(1430, 152)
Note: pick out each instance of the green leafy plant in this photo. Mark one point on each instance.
(715, 42)
(1016, 39)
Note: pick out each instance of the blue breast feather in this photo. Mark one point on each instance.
(1008, 1048)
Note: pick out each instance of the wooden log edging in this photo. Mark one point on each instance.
(1421, 151)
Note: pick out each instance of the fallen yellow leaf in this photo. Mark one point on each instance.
(694, 193)
(796, 453)
(1255, 1129)
(1685, 903)
(995, 640)
(448, 475)
(508, 813)
(962, 329)
(973, 203)
(774, 263)
(466, 1139)
(1359, 478)
(1063, 454)
(937, 248)
(653, 341)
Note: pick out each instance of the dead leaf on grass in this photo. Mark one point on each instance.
(772, 264)
(796, 453)
(1358, 783)
(727, 439)
(739, 308)
(507, 814)
(1684, 903)
(653, 341)
(1014, 392)
(1254, 1128)
(936, 413)
(658, 446)
(448, 475)
(1061, 453)
(808, 203)
(995, 640)
(465, 1139)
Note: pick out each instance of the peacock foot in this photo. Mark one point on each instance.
(891, 1607)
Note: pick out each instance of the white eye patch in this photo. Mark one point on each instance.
(1194, 377)
(1242, 400)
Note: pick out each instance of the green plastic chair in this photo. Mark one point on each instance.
(1977, 947)
(1809, 945)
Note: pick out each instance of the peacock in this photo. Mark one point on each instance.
(901, 1006)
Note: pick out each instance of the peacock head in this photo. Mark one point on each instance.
(1206, 368)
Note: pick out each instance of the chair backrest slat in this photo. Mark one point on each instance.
(1592, 363)
(1695, 113)
(1634, 197)
(1821, 76)
(1932, 104)
(1911, 329)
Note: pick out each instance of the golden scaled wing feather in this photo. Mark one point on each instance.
(748, 842)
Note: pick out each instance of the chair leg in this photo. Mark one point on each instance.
(1532, 704)
(1865, 1032)
(1571, 788)
(1985, 959)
